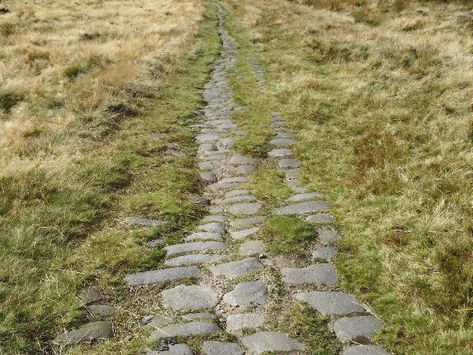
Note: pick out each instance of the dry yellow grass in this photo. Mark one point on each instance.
(69, 71)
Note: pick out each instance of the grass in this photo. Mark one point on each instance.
(71, 177)
(379, 95)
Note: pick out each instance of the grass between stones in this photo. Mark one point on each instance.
(383, 118)
(62, 231)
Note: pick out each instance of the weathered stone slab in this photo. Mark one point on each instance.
(193, 247)
(247, 292)
(320, 218)
(215, 218)
(89, 332)
(264, 342)
(238, 322)
(244, 169)
(235, 179)
(234, 193)
(303, 208)
(242, 160)
(161, 320)
(208, 137)
(210, 164)
(89, 295)
(199, 200)
(221, 348)
(245, 209)
(208, 177)
(193, 259)
(155, 276)
(236, 268)
(185, 330)
(207, 147)
(101, 310)
(280, 153)
(244, 233)
(204, 236)
(358, 329)
(189, 297)
(365, 350)
(289, 163)
(282, 142)
(306, 196)
(246, 222)
(237, 199)
(199, 316)
(212, 227)
(144, 222)
(177, 349)
(332, 303)
(325, 253)
(252, 248)
(319, 274)
(327, 236)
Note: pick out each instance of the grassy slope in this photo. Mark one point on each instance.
(381, 99)
(63, 231)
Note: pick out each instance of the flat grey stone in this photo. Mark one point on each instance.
(193, 259)
(238, 322)
(306, 196)
(155, 276)
(185, 330)
(208, 147)
(263, 342)
(221, 186)
(320, 218)
(144, 222)
(210, 164)
(208, 176)
(252, 248)
(247, 292)
(89, 295)
(204, 236)
(199, 200)
(199, 316)
(303, 208)
(212, 227)
(221, 348)
(193, 247)
(332, 303)
(208, 137)
(244, 169)
(293, 174)
(280, 153)
(178, 349)
(88, 333)
(245, 209)
(358, 329)
(318, 274)
(365, 350)
(242, 160)
(284, 134)
(234, 179)
(161, 320)
(325, 253)
(236, 268)
(215, 218)
(234, 193)
(289, 163)
(246, 222)
(189, 297)
(101, 310)
(237, 199)
(244, 233)
(225, 143)
(327, 236)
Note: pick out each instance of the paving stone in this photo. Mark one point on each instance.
(234, 193)
(210, 164)
(89, 295)
(318, 274)
(212, 227)
(242, 160)
(280, 153)
(245, 209)
(177, 349)
(293, 174)
(189, 297)
(225, 143)
(358, 329)
(327, 236)
(220, 186)
(144, 222)
(204, 236)
(252, 248)
(236, 268)
(199, 316)
(320, 218)
(215, 218)
(238, 322)
(194, 259)
(332, 303)
(365, 350)
(155, 276)
(284, 134)
(208, 147)
(199, 200)
(289, 163)
(221, 348)
(246, 222)
(237, 199)
(193, 247)
(208, 177)
(306, 196)
(185, 330)
(244, 233)
(263, 342)
(302, 208)
(208, 137)
(326, 253)
(161, 320)
(283, 142)
(216, 209)
(234, 179)
(247, 292)
(88, 333)
(244, 169)
(101, 310)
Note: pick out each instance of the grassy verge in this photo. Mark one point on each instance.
(383, 118)
(64, 229)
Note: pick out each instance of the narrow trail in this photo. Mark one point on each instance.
(234, 272)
